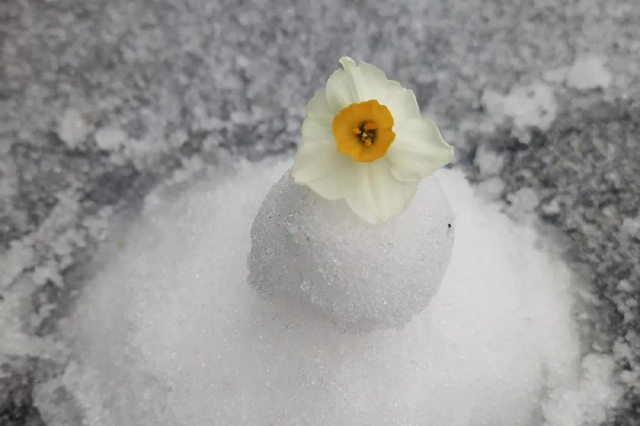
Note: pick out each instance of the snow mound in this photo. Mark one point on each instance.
(170, 333)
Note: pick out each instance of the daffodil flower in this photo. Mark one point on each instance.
(364, 141)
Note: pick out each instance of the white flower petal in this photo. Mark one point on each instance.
(359, 83)
(363, 82)
(318, 109)
(313, 131)
(378, 195)
(418, 150)
(341, 89)
(321, 167)
(379, 190)
(372, 83)
(402, 104)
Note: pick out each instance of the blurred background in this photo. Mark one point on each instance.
(103, 100)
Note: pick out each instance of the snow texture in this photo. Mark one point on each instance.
(582, 176)
(169, 332)
(74, 127)
(588, 72)
(489, 163)
(110, 139)
(359, 276)
(190, 80)
(527, 106)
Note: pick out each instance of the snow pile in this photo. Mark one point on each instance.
(525, 107)
(110, 139)
(489, 162)
(361, 277)
(588, 72)
(74, 127)
(170, 333)
(586, 402)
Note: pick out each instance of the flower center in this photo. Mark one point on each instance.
(366, 132)
(363, 130)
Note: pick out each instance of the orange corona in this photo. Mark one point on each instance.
(363, 130)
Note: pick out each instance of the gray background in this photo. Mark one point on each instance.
(177, 85)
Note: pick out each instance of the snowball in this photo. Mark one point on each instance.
(318, 253)
(168, 332)
(74, 127)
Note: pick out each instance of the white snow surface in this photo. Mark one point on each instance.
(110, 138)
(74, 127)
(529, 106)
(168, 332)
(589, 72)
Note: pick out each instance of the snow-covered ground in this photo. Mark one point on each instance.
(102, 100)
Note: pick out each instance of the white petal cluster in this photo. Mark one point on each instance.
(378, 190)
